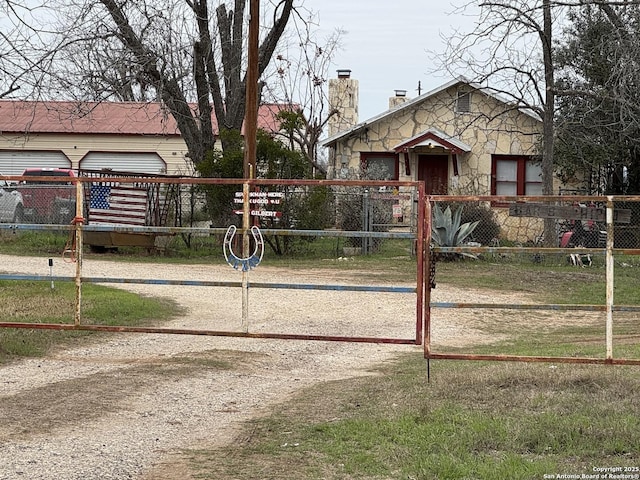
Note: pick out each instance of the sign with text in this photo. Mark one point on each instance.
(259, 202)
(567, 212)
(397, 210)
(260, 213)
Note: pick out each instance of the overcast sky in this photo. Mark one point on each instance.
(387, 42)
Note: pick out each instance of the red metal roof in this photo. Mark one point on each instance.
(125, 118)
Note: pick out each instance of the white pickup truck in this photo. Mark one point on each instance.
(11, 204)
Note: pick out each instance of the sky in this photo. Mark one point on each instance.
(387, 44)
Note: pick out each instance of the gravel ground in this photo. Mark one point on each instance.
(120, 408)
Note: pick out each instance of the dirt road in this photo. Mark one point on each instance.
(119, 409)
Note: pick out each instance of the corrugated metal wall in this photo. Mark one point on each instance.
(14, 162)
(124, 162)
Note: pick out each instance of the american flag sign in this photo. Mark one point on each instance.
(118, 205)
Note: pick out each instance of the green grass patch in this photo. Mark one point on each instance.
(37, 302)
(557, 284)
(570, 341)
(32, 242)
(487, 421)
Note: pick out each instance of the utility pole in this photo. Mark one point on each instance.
(250, 150)
(251, 111)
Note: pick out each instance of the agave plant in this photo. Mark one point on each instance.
(446, 230)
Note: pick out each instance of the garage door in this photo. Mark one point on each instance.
(14, 162)
(124, 162)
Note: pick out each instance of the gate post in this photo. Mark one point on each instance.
(426, 247)
(78, 222)
(246, 225)
(609, 278)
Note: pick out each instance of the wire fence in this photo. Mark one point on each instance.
(325, 220)
(322, 220)
(532, 242)
(545, 221)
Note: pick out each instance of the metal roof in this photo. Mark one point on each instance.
(128, 118)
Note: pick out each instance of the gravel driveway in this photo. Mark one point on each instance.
(120, 409)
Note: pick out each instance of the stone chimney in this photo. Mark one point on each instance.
(343, 97)
(399, 98)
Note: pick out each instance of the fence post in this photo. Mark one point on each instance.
(366, 220)
(423, 252)
(78, 222)
(246, 225)
(609, 278)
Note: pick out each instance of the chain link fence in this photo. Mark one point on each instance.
(532, 222)
(363, 212)
(301, 217)
(123, 209)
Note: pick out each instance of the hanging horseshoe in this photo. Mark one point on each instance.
(246, 263)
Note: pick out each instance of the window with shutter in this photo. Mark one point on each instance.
(463, 102)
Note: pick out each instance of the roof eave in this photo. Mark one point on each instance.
(409, 103)
(452, 144)
(391, 111)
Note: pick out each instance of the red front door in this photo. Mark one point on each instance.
(434, 170)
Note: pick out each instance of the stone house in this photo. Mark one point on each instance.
(460, 139)
(122, 136)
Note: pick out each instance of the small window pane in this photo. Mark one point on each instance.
(533, 178)
(506, 188)
(463, 103)
(381, 168)
(533, 189)
(533, 172)
(506, 171)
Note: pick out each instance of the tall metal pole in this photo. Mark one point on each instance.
(250, 138)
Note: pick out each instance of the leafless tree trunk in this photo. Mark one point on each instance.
(180, 52)
(510, 51)
(550, 236)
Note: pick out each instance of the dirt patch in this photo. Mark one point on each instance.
(56, 406)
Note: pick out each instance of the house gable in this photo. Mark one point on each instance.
(462, 136)
(433, 138)
(445, 95)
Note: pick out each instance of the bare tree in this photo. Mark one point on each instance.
(179, 52)
(300, 79)
(26, 49)
(188, 53)
(511, 52)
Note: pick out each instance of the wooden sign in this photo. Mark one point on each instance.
(567, 212)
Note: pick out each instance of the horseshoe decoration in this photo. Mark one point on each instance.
(246, 263)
